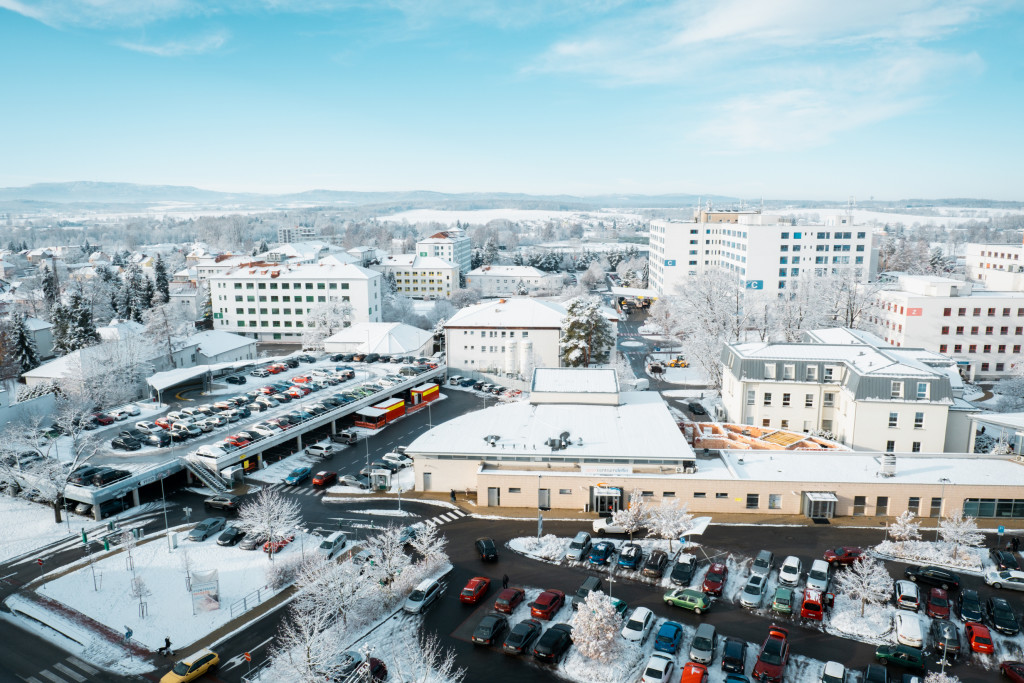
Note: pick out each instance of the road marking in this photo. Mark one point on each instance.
(68, 672)
(82, 665)
(460, 513)
(448, 518)
(53, 677)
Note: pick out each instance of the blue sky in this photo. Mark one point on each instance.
(780, 98)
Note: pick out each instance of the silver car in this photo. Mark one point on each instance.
(702, 649)
(206, 528)
(753, 592)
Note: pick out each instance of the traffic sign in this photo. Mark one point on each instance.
(248, 657)
(1002, 530)
(40, 560)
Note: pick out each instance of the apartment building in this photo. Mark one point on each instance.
(296, 233)
(513, 280)
(452, 245)
(981, 330)
(868, 394)
(765, 252)
(996, 266)
(269, 301)
(421, 277)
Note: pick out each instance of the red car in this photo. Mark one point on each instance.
(509, 599)
(325, 478)
(277, 368)
(979, 638)
(771, 661)
(304, 390)
(103, 419)
(547, 604)
(938, 604)
(162, 422)
(843, 555)
(268, 390)
(475, 590)
(715, 579)
(300, 379)
(694, 673)
(276, 546)
(236, 440)
(1014, 671)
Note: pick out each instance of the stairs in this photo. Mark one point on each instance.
(204, 474)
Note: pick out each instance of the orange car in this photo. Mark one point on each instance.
(475, 590)
(979, 638)
(325, 478)
(547, 604)
(694, 673)
(276, 546)
(300, 379)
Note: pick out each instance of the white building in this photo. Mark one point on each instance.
(42, 334)
(764, 252)
(295, 233)
(218, 346)
(383, 338)
(269, 301)
(850, 383)
(421, 277)
(452, 245)
(996, 266)
(513, 280)
(982, 330)
(189, 298)
(508, 337)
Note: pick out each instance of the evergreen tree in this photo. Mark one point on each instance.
(81, 330)
(51, 289)
(263, 248)
(586, 334)
(149, 295)
(117, 259)
(132, 300)
(390, 284)
(161, 281)
(490, 252)
(517, 258)
(59, 316)
(476, 259)
(25, 352)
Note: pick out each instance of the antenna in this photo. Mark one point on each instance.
(849, 210)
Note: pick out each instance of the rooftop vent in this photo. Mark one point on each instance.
(888, 465)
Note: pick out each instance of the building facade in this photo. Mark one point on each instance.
(513, 280)
(452, 245)
(981, 330)
(270, 301)
(996, 266)
(505, 337)
(421, 277)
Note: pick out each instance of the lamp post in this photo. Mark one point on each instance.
(540, 510)
(942, 503)
(167, 527)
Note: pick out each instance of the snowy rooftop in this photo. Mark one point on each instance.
(416, 261)
(511, 312)
(389, 338)
(575, 380)
(640, 424)
(328, 267)
(34, 324)
(509, 271)
(216, 342)
(120, 329)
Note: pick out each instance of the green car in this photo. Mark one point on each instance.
(689, 599)
(909, 657)
(620, 607)
(783, 602)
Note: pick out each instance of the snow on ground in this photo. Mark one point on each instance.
(625, 665)
(973, 392)
(404, 480)
(27, 526)
(484, 216)
(845, 620)
(689, 375)
(548, 548)
(169, 604)
(969, 560)
(388, 513)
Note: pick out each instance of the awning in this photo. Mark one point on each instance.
(821, 496)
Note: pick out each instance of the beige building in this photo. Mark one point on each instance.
(512, 280)
(421, 277)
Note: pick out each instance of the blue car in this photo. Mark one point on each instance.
(668, 637)
(601, 552)
(297, 476)
(631, 556)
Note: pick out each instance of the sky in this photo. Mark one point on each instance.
(784, 99)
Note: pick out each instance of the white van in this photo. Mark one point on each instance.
(319, 450)
(333, 544)
(819, 575)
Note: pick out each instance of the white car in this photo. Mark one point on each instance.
(147, 427)
(606, 526)
(908, 596)
(834, 672)
(118, 414)
(400, 460)
(262, 430)
(659, 669)
(790, 571)
(639, 625)
(131, 409)
(753, 592)
(908, 630)
(1009, 578)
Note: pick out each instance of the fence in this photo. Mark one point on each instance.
(248, 602)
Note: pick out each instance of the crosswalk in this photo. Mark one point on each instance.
(296, 490)
(446, 517)
(68, 670)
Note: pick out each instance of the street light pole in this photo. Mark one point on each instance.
(942, 503)
(167, 527)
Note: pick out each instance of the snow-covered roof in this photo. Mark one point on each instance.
(512, 312)
(329, 267)
(510, 271)
(120, 329)
(35, 324)
(170, 378)
(575, 380)
(416, 261)
(641, 423)
(637, 292)
(215, 342)
(389, 338)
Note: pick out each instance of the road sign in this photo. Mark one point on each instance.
(40, 560)
(1002, 530)
(248, 657)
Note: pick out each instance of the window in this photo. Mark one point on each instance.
(647, 494)
(942, 348)
(947, 311)
(957, 348)
(785, 400)
(999, 367)
(766, 422)
(812, 373)
(976, 312)
(828, 373)
(788, 372)
(890, 446)
(914, 504)
(992, 507)
(881, 506)
(961, 311)
(945, 330)
(922, 389)
(829, 400)
(752, 501)
(769, 370)
(515, 490)
(808, 400)
(936, 510)
(784, 424)
(960, 329)
(989, 330)
(859, 503)
(826, 425)
(767, 399)
(991, 311)
(774, 501)
(974, 330)
(699, 494)
(894, 419)
(984, 366)
(896, 390)
(973, 348)
(918, 420)
(987, 348)
(668, 494)
(721, 496)
(751, 397)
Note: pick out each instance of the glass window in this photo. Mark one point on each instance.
(890, 446)
(936, 510)
(699, 494)
(721, 496)
(859, 503)
(751, 397)
(894, 419)
(896, 390)
(808, 400)
(882, 506)
(769, 370)
(774, 501)
(785, 400)
(918, 420)
(830, 399)
(788, 372)
(914, 504)
(752, 501)
(915, 447)
(812, 373)
(767, 399)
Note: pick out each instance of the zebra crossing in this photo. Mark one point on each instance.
(446, 517)
(296, 490)
(69, 670)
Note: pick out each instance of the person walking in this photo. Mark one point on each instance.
(166, 649)
(504, 581)
(1016, 543)
(453, 495)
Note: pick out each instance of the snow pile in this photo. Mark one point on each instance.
(688, 375)
(279, 471)
(549, 548)
(845, 620)
(932, 552)
(624, 666)
(388, 513)
(650, 328)
(28, 526)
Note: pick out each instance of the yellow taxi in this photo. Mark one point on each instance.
(192, 668)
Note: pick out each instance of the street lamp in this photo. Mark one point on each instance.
(942, 503)
(167, 527)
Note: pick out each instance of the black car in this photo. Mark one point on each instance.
(243, 412)
(235, 379)
(230, 536)
(654, 567)
(222, 501)
(933, 576)
(553, 644)
(106, 476)
(332, 401)
(131, 433)
(487, 549)
(490, 629)
(371, 358)
(969, 606)
(1004, 559)
(478, 385)
(83, 475)
(945, 639)
(159, 439)
(521, 637)
(734, 655)
(336, 358)
(683, 571)
(126, 443)
(1001, 617)
(347, 357)
(306, 358)
(179, 435)
(249, 436)
(291, 362)
(467, 383)
(384, 358)
(696, 408)
(385, 465)
(876, 673)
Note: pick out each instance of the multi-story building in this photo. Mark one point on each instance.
(996, 266)
(512, 280)
(421, 277)
(982, 330)
(296, 233)
(452, 245)
(765, 252)
(270, 301)
(852, 384)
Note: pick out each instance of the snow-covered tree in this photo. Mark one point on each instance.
(593, 276)
(167, 325)
(586, 334)
(461, 298)
(25, 353)
(490, 253)
(60, 320)
(431, 544)
(324, 320)
(390, 284)
(634, 516)
(425, 660)
(389, 555)
(904, 528)
(940, 677)
(306, 643)
(865, 581)
(51, 288)
(269, 515)
(958, 530)
(161, 282)
(670, 520)
(81, 330)
(596, 628)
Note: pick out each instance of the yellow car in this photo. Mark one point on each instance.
(192, 668)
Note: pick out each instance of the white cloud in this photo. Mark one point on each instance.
(196, 46)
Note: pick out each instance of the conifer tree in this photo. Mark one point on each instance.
(81, 329)
(161, 281)
(586, 334)
(25, 352)
(51, 289)
(59, 317)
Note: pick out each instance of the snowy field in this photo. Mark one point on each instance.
(484, 216)
(27, 526)
(946, 215)
(689, 375)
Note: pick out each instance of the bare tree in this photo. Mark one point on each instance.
(425, 660)
(270, 516)
(306, 644)
(634, 516)
(904, 528)
(866, 581)
(168, 326)
(958, 530)
(596, 628)
(324, 320)
(670, 520)
(431, 544)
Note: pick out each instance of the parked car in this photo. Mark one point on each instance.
(125, 443)
(790, 571)
(734, 656)
(655, 565)
(508, 599)
(522, 636)
(251, 542)
(423, 596)
(907, 596)
(969, 606)
(754, 590)
(782, 602)
(773, 656)
(297, 476)
(353, 481)
(933, 576)
(147, 427)
(944, 639)
(979, 638)
(1008, 578)
(1001, 616)
(763, 563)
(683, 570)
(106, 475)
(692, 672)
(206, 528)
(601, 553)
(579, 547)
(278, 545)
(702, 648)
(902, 655)
(844, 554)
(659, 669)
(668, 637)
(222, 501)
(486, 548)
(908, 630)
(547, 604)
(630, 556)
(874, 673)
(639, 625)
(334, 543)
(230, 536)
(937, 605)
(83, 475)
(553, 644)
(490, 629)
(687, 598)
(235, 379)
(715, 579)
(1003, 559)
(476, 588)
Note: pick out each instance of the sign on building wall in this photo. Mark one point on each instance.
(755, 284)
(670, 262)
(915, 311)
(606, 469)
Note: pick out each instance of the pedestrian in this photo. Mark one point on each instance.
(504, 581)
(166, 649)
(453, 495)
(1016, 544)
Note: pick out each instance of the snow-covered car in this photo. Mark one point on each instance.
(1010, 579)
(908, 630)
(834, 672)
(262, 430)
(147, 427)
(790, 571)
(639, 625)
(908, 596)
(118, 414)
(659, 669)
(131, 409)
(398, 459)
(606, 526)
(753, 591)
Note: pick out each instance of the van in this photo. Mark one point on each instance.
(346, 437)
(333, 544)
(702, 649)
(819, 575)
(763, 563)
(579, 547)
(319, 450)
(589, 585)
